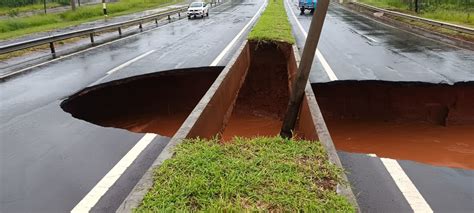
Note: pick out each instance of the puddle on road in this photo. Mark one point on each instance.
(427, 123)
(152, 103)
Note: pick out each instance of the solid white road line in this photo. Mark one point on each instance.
(332, 76)
(89, 201)
(129, 62)
(99, 190)
(406, 186)
(232, 43)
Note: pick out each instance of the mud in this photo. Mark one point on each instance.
(152, 103)
(263, 97)
(427, 123)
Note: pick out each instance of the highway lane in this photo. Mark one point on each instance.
(358, 48)
(49, 160)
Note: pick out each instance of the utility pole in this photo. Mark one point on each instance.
(73, 5)
(417, 9)
(296, 97)
(104, 7)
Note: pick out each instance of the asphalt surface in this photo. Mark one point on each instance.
(49, 160)
(359, 48)
(444, 189)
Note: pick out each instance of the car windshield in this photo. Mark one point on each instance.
(196, 4)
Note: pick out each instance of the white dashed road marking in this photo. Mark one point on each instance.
(332, 76)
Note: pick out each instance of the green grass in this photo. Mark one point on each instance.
(259, 174)
(453, 16)
(273, 25)
(15, 27)
(28, 8)
(444, 12)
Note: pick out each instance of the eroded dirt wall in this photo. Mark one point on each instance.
(156, 103)
(263, 97)
(428, 123)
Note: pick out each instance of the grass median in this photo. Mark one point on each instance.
(16, 27)
(249, 174)
(271, 174)
(273, 25)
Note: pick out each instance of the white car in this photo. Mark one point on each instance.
(196, 9)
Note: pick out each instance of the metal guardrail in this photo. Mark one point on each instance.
(450, 26)
(90, 31)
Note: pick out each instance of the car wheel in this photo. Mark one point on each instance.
(207, 14)
(189, 17)
(302, 11)
(312, 11)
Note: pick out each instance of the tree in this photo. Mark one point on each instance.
(73, 4)
(417, 9)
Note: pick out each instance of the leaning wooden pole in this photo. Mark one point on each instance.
(296, 96)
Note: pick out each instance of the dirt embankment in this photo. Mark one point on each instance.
(160, 102)
(264, 95)
(428, 123)
(152, 103)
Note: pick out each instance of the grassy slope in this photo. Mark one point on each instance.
(273, 25)
(28, 8)
(15, 27)
(248, 174)
(447, 13)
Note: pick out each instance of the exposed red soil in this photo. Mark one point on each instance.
(428, 123)
(248, 125)
(153, 103)
(264, 95)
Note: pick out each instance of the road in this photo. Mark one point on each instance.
(358, 48)
(49, 161)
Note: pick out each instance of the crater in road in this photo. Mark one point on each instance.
(156, 103)
(428, 123)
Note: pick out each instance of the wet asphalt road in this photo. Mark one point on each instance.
(49, 161)
(358, 48)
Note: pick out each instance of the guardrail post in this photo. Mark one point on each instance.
(53, 51)
(169, 18)
(140, 27)
(92, 37)
(120, 31)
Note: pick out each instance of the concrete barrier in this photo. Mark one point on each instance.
(240, 79)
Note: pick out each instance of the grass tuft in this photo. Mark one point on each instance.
(273, 25)
(271, 174)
